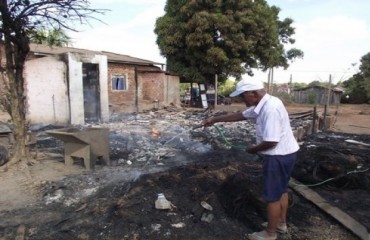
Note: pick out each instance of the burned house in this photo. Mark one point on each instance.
(317, 95)
(74, 86)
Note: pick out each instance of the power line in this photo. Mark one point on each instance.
(323, 71)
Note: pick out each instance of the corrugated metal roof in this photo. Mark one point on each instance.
(335, 89)
(112, 57)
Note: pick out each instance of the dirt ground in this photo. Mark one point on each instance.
(350, 118)
(48, 200)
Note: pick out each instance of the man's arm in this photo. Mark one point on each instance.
(261, 147)
(233, 117)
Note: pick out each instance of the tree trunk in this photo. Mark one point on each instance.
(15, 59)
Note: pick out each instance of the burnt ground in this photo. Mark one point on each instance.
(189, 167)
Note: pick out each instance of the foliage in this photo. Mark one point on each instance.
(285, 97)
(312, 97)
(358, 86)
(19, 19)
(184, 87)
(53, 37)
(296, 85)
(355, 90)
(226, 87)
(201, 38)
(317, 83)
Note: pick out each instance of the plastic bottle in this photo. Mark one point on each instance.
(162, 202)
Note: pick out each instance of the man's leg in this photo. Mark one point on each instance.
(277, 212)
(273, 217)
(283, 207)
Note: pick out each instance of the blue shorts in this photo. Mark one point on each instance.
(277, 170)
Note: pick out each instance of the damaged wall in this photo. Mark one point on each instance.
(76, 86)
(46, 91)
(172, 89)
(124, 85)
(54, 89)
(159, 89)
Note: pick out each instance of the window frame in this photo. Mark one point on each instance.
(114, 84)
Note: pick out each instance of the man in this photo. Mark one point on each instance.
(277, 145)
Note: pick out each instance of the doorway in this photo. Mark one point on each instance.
(91, 92)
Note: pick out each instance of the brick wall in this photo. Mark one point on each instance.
(121, 101)
(152, 88)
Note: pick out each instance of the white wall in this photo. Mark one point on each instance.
(46, 91)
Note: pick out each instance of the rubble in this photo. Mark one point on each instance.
(205, 172)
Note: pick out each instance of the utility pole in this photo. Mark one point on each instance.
(216, 96)
(272, 80)
(268, 81)
(329, 92)
(326, 109)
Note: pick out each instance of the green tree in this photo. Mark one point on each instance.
(286, 31)
(296, 85)
(317, 83)
(19, 18)
(365, 72)
(226, 87)
(53, 37)
(201, 38)
(358, 86)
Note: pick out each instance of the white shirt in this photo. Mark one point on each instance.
(273, 125)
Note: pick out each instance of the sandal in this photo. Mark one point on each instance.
(260, 236)
(280, 228)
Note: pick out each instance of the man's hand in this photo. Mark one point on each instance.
(209, 122)
(252, 149)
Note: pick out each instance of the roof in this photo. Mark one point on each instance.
(335, 89)
(112, 57)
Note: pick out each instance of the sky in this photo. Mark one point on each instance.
(333, 34)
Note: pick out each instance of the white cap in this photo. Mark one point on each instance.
(247, 85)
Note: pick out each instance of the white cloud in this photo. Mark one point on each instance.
(332, 30)
(136, 2)
(134, 37)
(330, 45)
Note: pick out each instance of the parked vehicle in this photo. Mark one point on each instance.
(221, 100)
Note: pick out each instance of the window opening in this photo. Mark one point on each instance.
(119, 82)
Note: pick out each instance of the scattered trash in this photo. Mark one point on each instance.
(178, 225)
(56, 197)
(155, 132)
(206, 206)
(163, 203)
(357, 142)
(156, 227)
(207, 217)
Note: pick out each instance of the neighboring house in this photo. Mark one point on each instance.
(74, 86)
(283, 88)
(317, 95)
